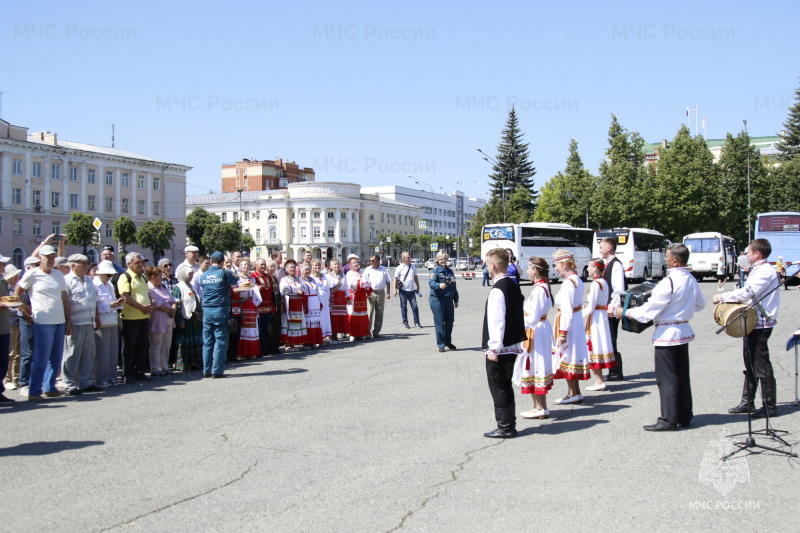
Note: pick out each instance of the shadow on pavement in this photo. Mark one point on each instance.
(47, 448)
(556, 428)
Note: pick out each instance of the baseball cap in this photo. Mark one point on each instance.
(47, 250)
(109, 248)
(217, 257)
(164, 261)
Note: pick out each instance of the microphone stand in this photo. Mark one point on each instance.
(750, 442)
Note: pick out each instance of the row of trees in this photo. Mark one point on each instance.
(685, 191)
(419, 245)
(154, 235)
(206, 231)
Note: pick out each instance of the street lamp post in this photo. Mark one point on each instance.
(420, 182)
(492, 160)
(241, 219)
(749, 225)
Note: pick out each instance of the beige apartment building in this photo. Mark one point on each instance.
(44, 179)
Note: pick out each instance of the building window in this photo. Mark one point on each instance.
(140, 207)
(316, 215)
(55, 198)
(37, 170)
(331, 232)
(235, 216)
(126, 179)
(18, 256)
(109, 231)
(17, 196)
(91, 201)
(247, 215)
(258, 234)
(344, 215)
(224, 217)
(109, 203)
(73, 201)
(73, 173)
(303, 233)
(381, 217)
(37, 198)
(37, 227)
(18, 167)
(126, 205)
(141, 182)
(156, 184)
(273, 233)
(57, 227)
(303, 215)
(294, 234)
(316, 232)
(293, 215)
(17, 226)
(331, 214)
(273, 217)
(91, 177)
(56, 172)
(157, 208)
(344, 233)
(109, 178)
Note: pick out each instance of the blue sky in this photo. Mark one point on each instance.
(369, 92)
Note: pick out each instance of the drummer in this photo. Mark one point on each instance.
(762, 282)
(673, 303)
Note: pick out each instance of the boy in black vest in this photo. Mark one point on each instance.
(614, 274)
(503, 333)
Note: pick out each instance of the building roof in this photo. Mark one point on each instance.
(649, 148)
(104, 150)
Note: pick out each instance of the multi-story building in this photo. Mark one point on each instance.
(331, 219)
(44, 179)
(765, 145)
(254, 175)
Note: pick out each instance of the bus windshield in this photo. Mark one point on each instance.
(707, 245)
(498, 233)
(619, 235)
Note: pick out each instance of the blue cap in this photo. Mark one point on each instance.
(216, 257)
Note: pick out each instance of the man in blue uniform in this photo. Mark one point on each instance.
(443, 298)
(216, 283)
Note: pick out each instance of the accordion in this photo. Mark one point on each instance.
(636, 297)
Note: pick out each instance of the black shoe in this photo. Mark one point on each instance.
(74, 392)
(742, 408)
(659, 426)
(418, 325)
(614, 377)
(406, 326)
(3, 399)
(760, 413)
(218, 376)
(375, 335)
(206, 375)
(142, 377)
(501, 433)
(441, 349)
(451, 346)
(92, 388)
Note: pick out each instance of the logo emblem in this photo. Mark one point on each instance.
(723, 475)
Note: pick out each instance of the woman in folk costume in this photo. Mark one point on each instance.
(598, 332)
(293, 320)
(188, 322)
(360, 289)
(312, 307)
(324, 288)
(534, 369)
(570, 347)
(340, 295)
(265, 287)
(249, 299)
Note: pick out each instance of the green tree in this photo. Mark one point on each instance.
(513, 169)
(683, 191)
(79, 230)
(732, 213)
(123, 231)
(567, 195)
(227, 237)
(197, 223)
(411, 243)
(784, 186)
(789, 145)
(155, 235)
(425, 244)
(619, 199)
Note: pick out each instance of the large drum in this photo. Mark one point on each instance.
(730, 315)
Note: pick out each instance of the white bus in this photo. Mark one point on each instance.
(782, 230)
(705, 251)
(539, 239)
(641, 251)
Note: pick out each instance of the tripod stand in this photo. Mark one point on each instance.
(750, 443)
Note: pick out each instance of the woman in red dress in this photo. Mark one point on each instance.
(360, 288)
(340, 294)
(264, 282)
(312, 307)
(293, 321)
(249, 345)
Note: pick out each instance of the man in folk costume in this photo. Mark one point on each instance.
(761, 280)
(264, 283)
(360, 290)
(503, 333)
(673, 303)
(614, 274)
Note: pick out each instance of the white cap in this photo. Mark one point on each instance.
(106, 267)
(32, 261)
(47, 250)
(191, 248)
(4, 259)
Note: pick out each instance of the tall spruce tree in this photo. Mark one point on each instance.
(513, 170)
(567, 195)
(789, 145)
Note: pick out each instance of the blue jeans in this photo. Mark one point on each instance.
(215, 339)
(47, 354)
(485, 282)
(25, 352)
(408, 296)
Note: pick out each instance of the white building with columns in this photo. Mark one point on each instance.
(331, 219)
(44, 179)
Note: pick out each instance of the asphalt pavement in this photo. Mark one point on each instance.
(387, 435)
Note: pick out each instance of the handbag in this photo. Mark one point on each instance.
(109, 320)
(399, 284)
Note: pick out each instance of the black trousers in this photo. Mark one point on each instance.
(759, 351)
(613, 324)
(499, 377)
(674, 385)
(135, 346)
(274, 341)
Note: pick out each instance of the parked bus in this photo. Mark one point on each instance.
(641, 251)
(706, 249)
(539, 239)
(782, 230)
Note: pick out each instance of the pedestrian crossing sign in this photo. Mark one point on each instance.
(423, 224)
(434, 247)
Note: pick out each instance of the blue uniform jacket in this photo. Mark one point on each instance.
(443, 275)
(217, 284)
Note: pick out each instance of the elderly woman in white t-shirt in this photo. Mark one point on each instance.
(107, 342)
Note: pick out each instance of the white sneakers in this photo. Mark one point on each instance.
(570, 399)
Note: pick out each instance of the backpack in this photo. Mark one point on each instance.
(115, 279)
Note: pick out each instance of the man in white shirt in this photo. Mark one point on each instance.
(406, 276)
(614, 274)
(191, 254)
(761, 282)
(378, 278)
(79, 349)
(673, 303)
